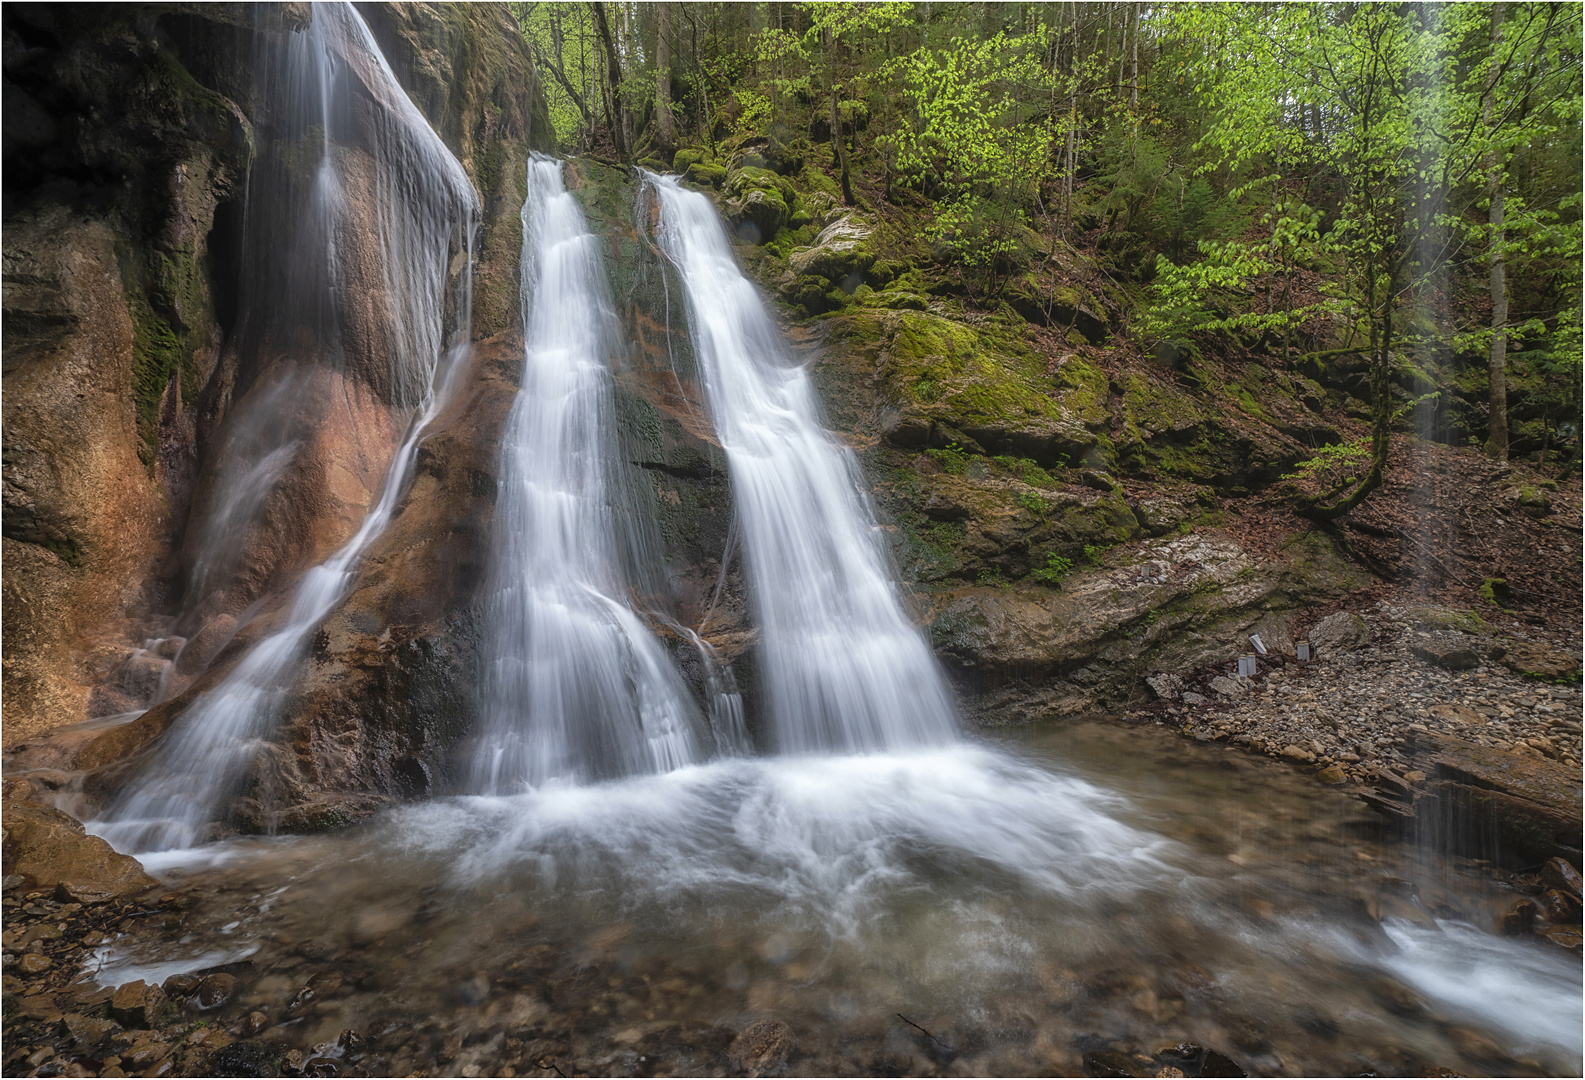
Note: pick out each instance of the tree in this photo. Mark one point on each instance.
(665, 129)
(1404, 124)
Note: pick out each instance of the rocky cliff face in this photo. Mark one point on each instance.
(131, 395)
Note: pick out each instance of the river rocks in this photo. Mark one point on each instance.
(213, 992)
(1518, 919)
(34, 963)
(137, 1004)
(1560, 907)
(1340, 632)
(1456, 652)
(1362, 713)
(1544, 662)
(761, 1048)
(51, 850)
(319, 986)
(1560, 874)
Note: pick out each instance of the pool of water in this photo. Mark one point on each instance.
(1004, 906)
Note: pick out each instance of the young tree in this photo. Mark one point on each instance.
(1404, 126)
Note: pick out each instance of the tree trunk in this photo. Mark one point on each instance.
(1497, 362)
(838, 150)
(1133, 93)
(616, 115)
(665, 129)
(1380, 407)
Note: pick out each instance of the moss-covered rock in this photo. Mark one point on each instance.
(939, 377)
(705, 174)
(759, 203)
(843, 252)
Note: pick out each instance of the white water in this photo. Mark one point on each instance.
(576, 687)
(424, 205)
(843, 667)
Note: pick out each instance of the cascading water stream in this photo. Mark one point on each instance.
(844, 669)
(425, 206)
(576, 687)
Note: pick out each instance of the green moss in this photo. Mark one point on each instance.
(157, 354)
(488, 164)
(706, 175)
(687, 156)
(954, 460)
(980, 377)
(1032, 502)
(69, 550)
(812, 179)
(1026, 470)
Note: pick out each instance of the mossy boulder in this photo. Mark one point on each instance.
(705, 174)
(1062, 304)
(843, 252)
(759, 203)
(897, 300)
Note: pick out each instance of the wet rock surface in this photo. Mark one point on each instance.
(48, 850)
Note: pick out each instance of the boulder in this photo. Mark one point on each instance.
(1340, 632)
(1456, 652)
(759, 203)
(841, 252)
(1560, 874)
(1227, 687)
(51, 849)
(1521, 805)
(1031, 650)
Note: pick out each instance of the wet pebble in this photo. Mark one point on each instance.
(761, 1047)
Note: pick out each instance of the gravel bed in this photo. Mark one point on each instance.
(1350, 712)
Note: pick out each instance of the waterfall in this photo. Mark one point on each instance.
(576, 687)
(424, 207)
(843, 668)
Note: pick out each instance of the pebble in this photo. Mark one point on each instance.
(762, 1047)
(33, 963)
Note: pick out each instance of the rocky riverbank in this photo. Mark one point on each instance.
(1462, 735)
(1376, 679)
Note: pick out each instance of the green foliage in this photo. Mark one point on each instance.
(1093, 554)
(953, 458)
(1332, 466)
(1033, 503)
(1054, 572)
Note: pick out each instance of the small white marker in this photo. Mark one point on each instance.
(1260, 646)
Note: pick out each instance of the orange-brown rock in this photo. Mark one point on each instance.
(83, 518)
(51, 849)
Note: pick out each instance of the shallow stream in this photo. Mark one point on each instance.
(1004, 906)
